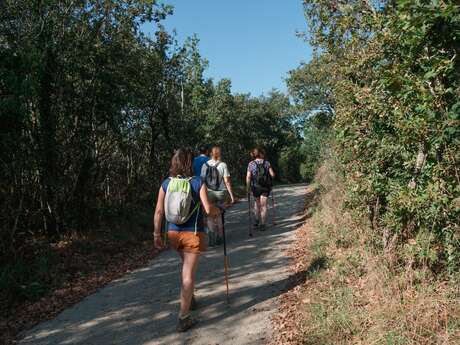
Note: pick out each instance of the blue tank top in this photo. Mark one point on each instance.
(198, 163)
(197, 216)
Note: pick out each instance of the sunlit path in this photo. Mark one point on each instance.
(141, 308)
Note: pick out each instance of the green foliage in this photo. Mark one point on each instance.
(310, 86)
(91, 109)
(316, 136)
(248, 121)
(394, 73)
(291, 165)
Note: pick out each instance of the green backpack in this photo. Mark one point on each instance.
(178, 201)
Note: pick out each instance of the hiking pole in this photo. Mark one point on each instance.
(274, 208)
(249, 214)
(225, 253)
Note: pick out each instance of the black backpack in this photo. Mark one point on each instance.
(212, 178)
(262, 176)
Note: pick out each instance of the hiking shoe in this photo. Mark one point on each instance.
(193, 304)
(184, 324)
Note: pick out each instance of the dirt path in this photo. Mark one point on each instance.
(141, 308)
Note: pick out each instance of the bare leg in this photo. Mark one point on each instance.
(263, 209)
(212, 226)
(190, 264)
(256, 209)
(181, 254)
(219, 226)
(215, 225)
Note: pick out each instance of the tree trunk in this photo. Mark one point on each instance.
(48, 126)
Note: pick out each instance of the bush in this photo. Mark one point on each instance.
(393, 71)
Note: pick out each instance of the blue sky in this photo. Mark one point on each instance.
(252, 42)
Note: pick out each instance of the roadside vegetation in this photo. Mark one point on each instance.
(363, 295)
(387, 73)
(387, 226)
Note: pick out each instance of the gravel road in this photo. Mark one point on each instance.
(141, 308)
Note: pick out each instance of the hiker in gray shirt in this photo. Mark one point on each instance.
(216, 176)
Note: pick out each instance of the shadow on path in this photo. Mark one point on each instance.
(141, 308)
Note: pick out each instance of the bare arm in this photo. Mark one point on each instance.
(159, 212)
(228, 184)
(209, 208)
(271, 172)
(248, 181)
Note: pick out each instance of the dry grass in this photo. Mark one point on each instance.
(360, 298)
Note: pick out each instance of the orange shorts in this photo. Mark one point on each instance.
(187, 241)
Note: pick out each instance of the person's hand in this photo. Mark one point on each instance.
(157, 241)
(214, 212)
(233, 200)
(228, 204)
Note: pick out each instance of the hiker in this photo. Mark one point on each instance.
(199, 160)
(182, 198)
(259, 181)
(216, 176)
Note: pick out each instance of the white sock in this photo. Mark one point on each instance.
(184, 316)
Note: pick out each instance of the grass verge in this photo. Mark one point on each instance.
(359, 295)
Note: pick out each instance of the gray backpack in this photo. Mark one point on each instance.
(212, 177)
(178, 201)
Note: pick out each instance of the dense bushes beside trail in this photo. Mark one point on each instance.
(390, 73)
(353, 294)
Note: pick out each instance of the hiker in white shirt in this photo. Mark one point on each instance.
(216, 176)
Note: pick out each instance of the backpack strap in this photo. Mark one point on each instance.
(207, 167)
(221, 180)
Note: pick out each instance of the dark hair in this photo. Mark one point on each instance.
(181, 163)
(258, 152)
(204, 149)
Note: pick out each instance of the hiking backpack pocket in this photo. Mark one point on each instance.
(261, 178)
(212, 178)
(178, 201)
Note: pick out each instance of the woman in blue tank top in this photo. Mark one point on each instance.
(189, 238)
